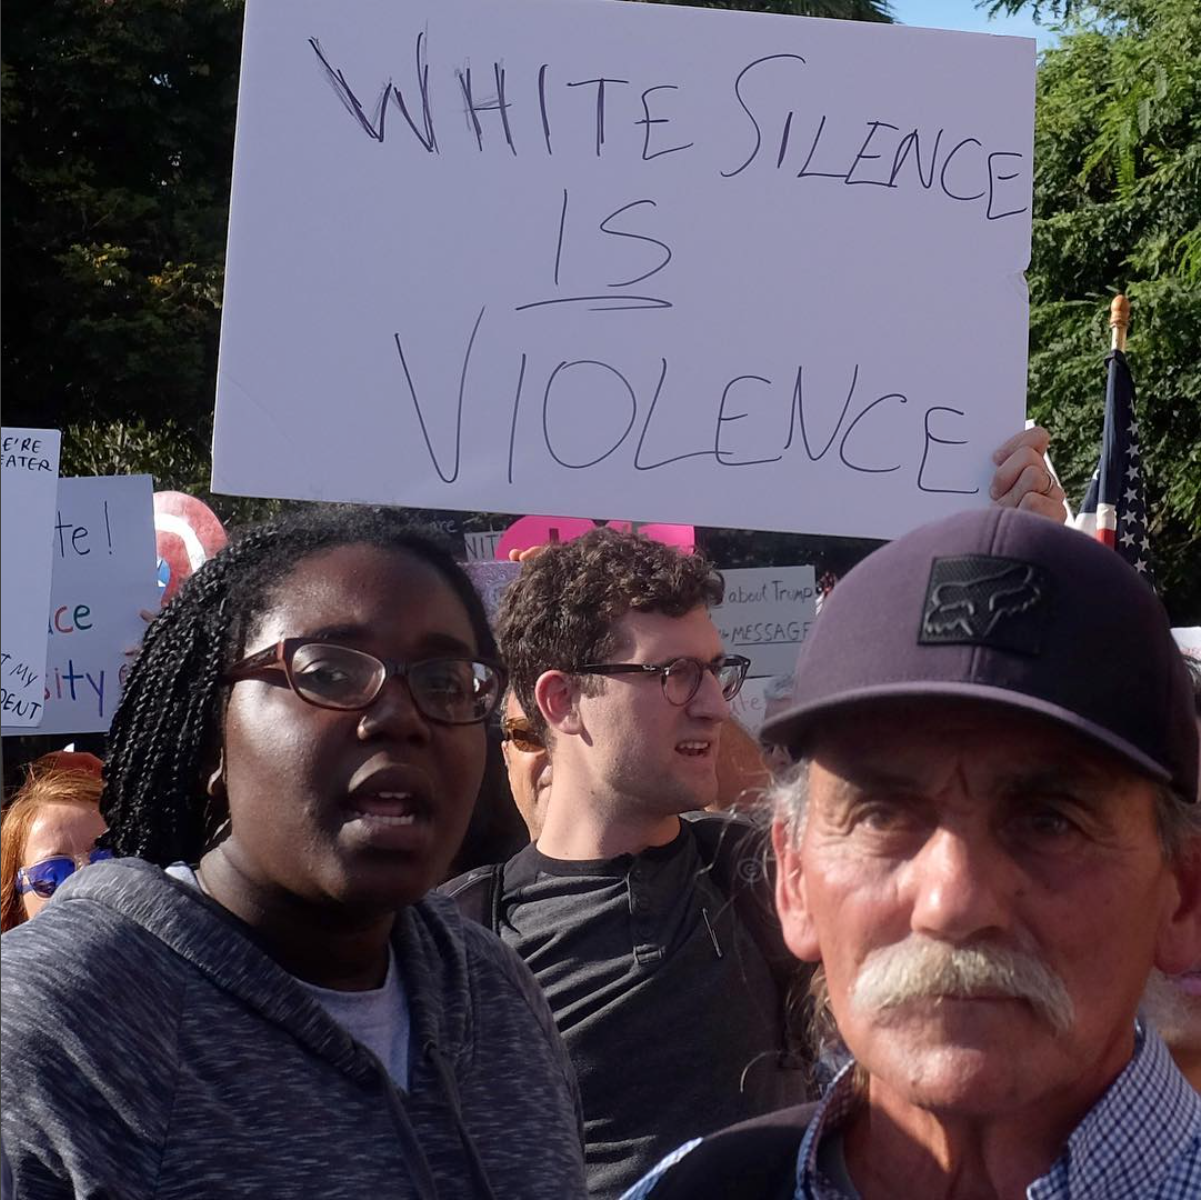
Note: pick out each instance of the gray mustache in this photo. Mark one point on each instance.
(921, 969)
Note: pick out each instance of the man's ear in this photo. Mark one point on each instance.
(1177, 942)
(556, 693)
(791, 903)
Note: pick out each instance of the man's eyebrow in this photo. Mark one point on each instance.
(847, 789)
(1087, 786)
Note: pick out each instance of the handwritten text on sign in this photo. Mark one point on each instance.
(668, 264)
(766, 615)
(30, 479)
(104, 574)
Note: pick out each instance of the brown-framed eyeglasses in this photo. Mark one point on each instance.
(448, 689)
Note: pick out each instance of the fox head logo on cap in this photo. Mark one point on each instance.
(980, 600)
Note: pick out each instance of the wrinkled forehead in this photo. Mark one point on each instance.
(921, 742)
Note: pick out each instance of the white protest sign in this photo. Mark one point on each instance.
(748, 706)
(480, 545)
(104, 574)
(766, 615)
(30, 480)
(667, 264)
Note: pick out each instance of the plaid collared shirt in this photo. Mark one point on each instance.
(1139, 1142)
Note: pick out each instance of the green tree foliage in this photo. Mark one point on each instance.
(1116, 210)
(118, 142)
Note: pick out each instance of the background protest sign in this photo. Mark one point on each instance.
(766, 615)
(30, 480)
(696, 266)
(748, 706)
(103, 553)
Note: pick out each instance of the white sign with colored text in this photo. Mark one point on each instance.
(668, 264)
(104, 576)
(30, 483)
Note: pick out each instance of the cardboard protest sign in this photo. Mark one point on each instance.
(103, 553)
(766, 615)
(30, 482)
(667, 264)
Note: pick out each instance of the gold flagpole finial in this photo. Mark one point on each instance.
(1120, 318)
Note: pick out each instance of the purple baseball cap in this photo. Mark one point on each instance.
(1002, 606)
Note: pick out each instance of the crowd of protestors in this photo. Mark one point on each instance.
(323, 956)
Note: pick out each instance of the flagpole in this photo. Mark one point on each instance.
(1120, 318)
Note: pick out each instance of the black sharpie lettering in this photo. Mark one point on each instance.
(805, 172)
(639, 465)
(459, 412)
(542, 104)
(947, 162)
(851, 429)
(634, 411)
(373, 128)
(499, 105)
(990, 215)
(797, 412)
(759, 137)
(600, 303)
(928, 439)
(864, 156)
(513, 427)
(426, 135)
(563, 217)
(640, 237)
(904, 147)
(723, 455)
(648, 120)
(600, 104)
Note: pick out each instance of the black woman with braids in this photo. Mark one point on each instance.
(258, 997)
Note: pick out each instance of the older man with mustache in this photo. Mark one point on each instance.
(990, 842)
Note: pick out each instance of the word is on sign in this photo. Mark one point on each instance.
(29, 466)
(670, 264)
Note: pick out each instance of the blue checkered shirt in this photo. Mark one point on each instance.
(1139, 1142)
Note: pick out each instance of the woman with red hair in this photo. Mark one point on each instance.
(48, 832)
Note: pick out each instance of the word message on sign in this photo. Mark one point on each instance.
(30, 480)
(103, 552)
(766, 614)
(698, 266)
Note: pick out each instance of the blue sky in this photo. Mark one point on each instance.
(964, 15)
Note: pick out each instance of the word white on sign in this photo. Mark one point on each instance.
(480, 545)
(104, 576)
(766, 615)
(30, 481)
(669, 264)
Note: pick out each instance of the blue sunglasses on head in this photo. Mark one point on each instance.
(46, 877)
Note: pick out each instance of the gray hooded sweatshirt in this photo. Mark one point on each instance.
(150, 1048)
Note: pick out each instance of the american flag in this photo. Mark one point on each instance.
(1114, 510)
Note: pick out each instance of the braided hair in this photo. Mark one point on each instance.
(166, 734)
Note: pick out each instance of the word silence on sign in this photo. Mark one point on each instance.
(676, 265)
(29, 466)
(766, 614)
(103, 554)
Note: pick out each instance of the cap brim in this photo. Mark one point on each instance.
(791, 727)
